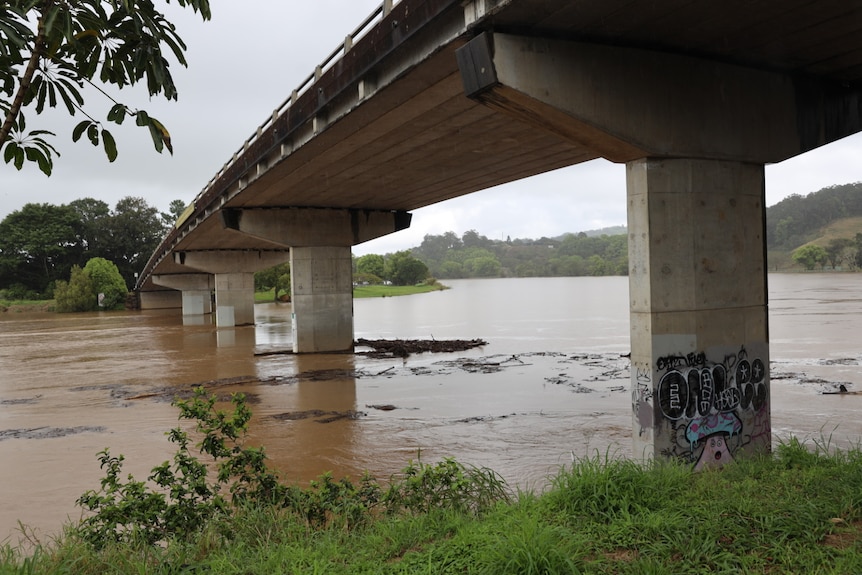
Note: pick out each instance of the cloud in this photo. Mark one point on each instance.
(247, 60)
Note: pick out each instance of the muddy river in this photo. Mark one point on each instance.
(551, 382)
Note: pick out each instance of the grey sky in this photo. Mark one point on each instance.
(247, 60)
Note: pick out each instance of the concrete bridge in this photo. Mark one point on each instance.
(432, 99)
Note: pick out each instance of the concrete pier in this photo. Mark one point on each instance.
(697, 277)
(322, 294)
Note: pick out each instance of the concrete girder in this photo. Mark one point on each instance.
(628, 103)
(306, 227)
(231, 261)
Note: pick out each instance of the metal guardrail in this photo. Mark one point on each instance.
(379, 13)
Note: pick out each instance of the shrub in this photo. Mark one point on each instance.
(106, 280)
(77, 294)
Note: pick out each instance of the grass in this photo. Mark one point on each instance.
(392, 291)
(368, 291)
(799, 511)
(26, 305)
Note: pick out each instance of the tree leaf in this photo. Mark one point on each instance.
(93, 134)
(79, 130)
(9, 151)
(110, 145)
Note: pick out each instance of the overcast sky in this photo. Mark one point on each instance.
(247, 60)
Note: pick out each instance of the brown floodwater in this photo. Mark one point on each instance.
(551, 383)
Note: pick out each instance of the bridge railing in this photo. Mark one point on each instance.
(381, 12)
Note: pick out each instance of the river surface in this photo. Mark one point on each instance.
(551, 383)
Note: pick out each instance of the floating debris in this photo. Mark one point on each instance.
(383, 348)
(47, 432)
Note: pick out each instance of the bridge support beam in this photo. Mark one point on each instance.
(321, 284)
(162, 299)
(233, 272)
(300, 226)
(196, 290)
(694, 136)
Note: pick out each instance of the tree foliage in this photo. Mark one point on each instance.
(403, 269)
(276, 278)
(35, 242)
(40, 243)
(77, 294)
(51, 49)
(108, 285)
(810, 256)
(797, 219)
(475, 256)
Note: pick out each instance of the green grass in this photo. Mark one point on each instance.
(25, 305)
(392, 291)
(369, 291)
(799, 511)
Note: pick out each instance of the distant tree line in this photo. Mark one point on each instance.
(475, 256)
(41, 243)
(797, 220)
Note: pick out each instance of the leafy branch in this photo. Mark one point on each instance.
(118, 42)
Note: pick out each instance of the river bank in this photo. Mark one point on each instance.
(796, 512)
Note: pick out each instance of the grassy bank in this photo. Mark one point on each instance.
(26, 305)
(368, 291)
(392, 291)
(797, 512)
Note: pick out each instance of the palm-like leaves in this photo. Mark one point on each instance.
(101, 42)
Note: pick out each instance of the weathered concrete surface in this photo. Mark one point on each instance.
(697, 277)
(302, 227)
(321, 282)
(164, 299)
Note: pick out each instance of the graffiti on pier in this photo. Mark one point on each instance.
(711, 407)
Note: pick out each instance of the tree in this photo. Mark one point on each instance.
(809, 256)
(108, 286)
(38, 244)
(134, 230)
(371, 264)
(403, 269)
(93, 217)
(175, 210)
(840, 251)
(276, 278)
(51, 49)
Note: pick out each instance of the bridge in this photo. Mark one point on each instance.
(428, 100)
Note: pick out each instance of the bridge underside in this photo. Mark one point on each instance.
(444, 97)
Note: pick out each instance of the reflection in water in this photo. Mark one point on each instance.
(551, 383)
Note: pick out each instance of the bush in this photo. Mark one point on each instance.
(77, 294)
(179, 498)
(106, 280)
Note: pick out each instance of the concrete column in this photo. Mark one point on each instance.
(196, 290)
(322, 296)
(699, 336)
(234, 295)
